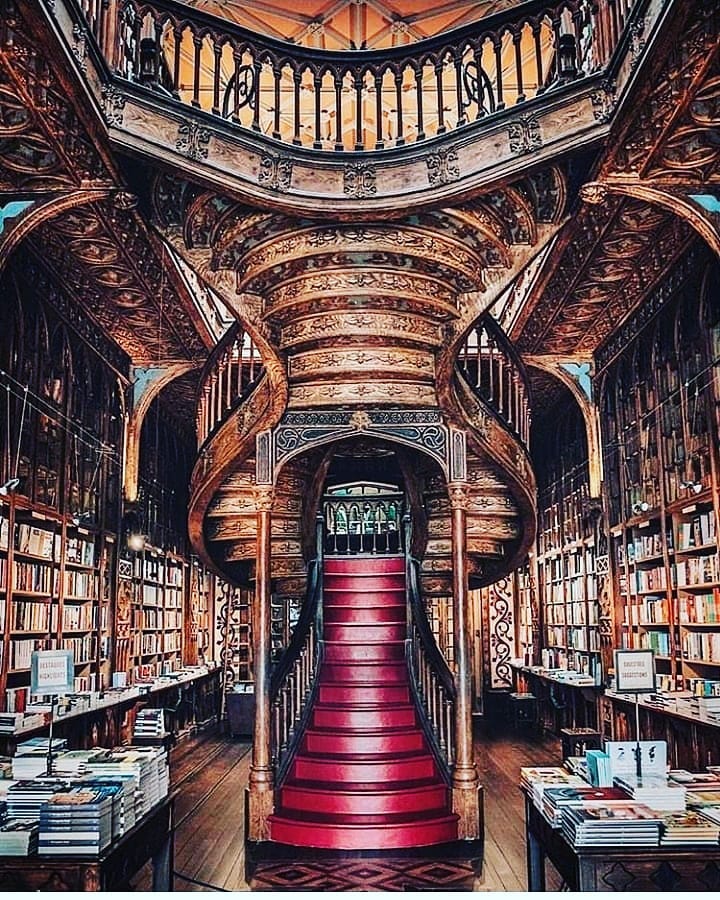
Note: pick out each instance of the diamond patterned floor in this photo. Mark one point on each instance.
(367, 875)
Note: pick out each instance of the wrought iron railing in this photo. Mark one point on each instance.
(434, 684)
(365, 524)
(492, 368)
(294, 682)
(356, 100)
(229, 377)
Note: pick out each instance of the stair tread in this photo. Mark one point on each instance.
(358, 820)
(367, 787)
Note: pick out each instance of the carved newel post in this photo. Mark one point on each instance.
(261, 780)
(465, 783)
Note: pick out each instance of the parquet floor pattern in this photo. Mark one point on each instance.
(211, 774)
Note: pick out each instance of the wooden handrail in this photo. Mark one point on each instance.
(491, 367)
(294, 683)
(231, 373)
(432, 680)
(356, 100)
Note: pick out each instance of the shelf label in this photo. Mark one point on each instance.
(634, 671)
(52, 672)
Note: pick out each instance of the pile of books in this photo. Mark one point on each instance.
(698, 799)
(30, 758)
(18, 837)
(535, 779)
(150, 723)
(149, 765)
(610, 826)
(689, 827)
(126, 800)
(555, 800)
(654, 791)
(24, 799)
(76, 822)
(73, 763)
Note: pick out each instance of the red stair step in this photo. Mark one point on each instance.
(338, 692)
(407, 767)
(389, 672)
(328, 742)
(373, 615)
(359, 582)
(349, 717)
(364, 565)
(425, 797)
(362, 599)
(334, 836)
(340, 651)
(358, 633)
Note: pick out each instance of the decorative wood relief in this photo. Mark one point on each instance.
(423, 429)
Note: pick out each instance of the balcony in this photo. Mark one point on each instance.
(307, 129)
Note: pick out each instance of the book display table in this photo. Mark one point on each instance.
(616, 868)
(150, 839)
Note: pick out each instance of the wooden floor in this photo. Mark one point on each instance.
(211, 774)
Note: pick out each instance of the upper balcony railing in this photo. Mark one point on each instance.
(356, 100)
(493, 370)
(230, 375)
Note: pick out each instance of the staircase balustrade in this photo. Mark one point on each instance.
(493, 370)
(363, 525)
(229, 377)
(433, 682)
(350, 100)
(294, 679)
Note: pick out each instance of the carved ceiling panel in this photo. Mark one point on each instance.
(107, 254)
(612, 254)
(671, 129)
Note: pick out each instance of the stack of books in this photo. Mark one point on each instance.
(599, 768)
(147, 764)
(24, 799)
(73, 763)
(150, 723)
(535, 779)
(30, 758)
(698, 799)
(10, 721)
(124, 802)
(628, 823)
(556, 800)
(689, 828)
(18, 837)
(77, 822)
(654, 791)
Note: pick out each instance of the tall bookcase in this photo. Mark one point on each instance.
(659, 400)
(566, 550)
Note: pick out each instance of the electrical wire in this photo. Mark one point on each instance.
(212, 887)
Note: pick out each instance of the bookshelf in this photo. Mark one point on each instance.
(660, 433)
(200, 621)
(567, 576)
(527, 626)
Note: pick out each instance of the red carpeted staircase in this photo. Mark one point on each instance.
(364, 777)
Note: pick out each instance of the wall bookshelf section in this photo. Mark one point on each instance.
(67, 578)
(566, 561)
(659, 400)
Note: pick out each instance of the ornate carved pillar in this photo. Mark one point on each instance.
(465, 783)
(261, 780)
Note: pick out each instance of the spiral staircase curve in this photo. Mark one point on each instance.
(356, 316)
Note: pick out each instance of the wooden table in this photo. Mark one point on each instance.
(152, 838)
(617, 868)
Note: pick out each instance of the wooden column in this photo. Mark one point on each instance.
(465, 782)
(261, 780)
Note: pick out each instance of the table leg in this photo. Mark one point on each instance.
(162, 866)
(535, 864)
